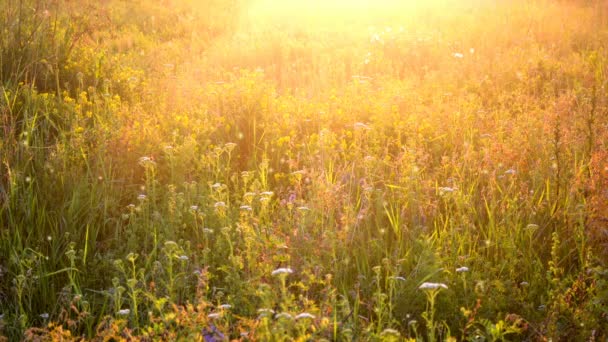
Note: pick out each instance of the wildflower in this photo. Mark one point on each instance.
(390, 332)
(28, 179)
(49, 238)
(524, 284)
(246, 207)
(214, 315)
(283, 315)
(216, 186)
(282, 270)
(220, 204)
(304, 315)
(183, 257)
(462, 269)
(44, 315)
(265, 312)
(225, 306)
(194, 207)
(445, 190)
(170, 244)
(146, 161)
(304, 208)
(432, 286)
(398, 278)
(458, 55)
(141, 197)
(124, 312)
(532, 227)
(510, 172)
(208, 230)
(230, 146)
(267, 193)
(361, 126)
(249, 194)
(131, 206)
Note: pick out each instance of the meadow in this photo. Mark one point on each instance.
(303, 170)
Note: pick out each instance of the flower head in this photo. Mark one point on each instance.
(432, 286)
(462, 269)
(304, 315)
(123, 312)
(282, 270)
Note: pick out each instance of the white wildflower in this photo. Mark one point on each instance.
(458, 55)
(432, 286)
(146, 161)
(225, 306)
(123, 312)
(462, 269)
(141, 197)
(361, 126)
(282, 270)
(390, 332)
(304, 315)
(283, 315)
(44, 315)
(445, 190)
(220, 204)
(214, 315)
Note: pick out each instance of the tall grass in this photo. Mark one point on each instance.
(412, 173)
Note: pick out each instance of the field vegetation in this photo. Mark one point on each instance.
(303, 171)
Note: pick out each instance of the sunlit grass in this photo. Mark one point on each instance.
(303, 170)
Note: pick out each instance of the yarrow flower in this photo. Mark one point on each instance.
(141, 197)
(432, 286)
(462, 269)
(146, 161)
(44, 316)
(265, 312)
(390, 332)
(458, 55)
(361, 126)
(304, 315)
(220, 204)
(283, 315)
(446, 190)
(282, 270)
(225, 306)
(124, 312)
(214, 315)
